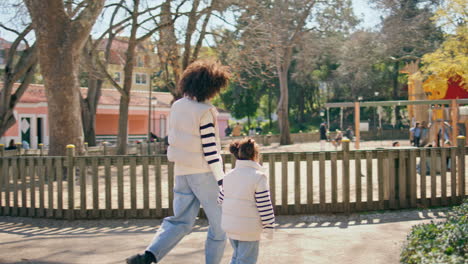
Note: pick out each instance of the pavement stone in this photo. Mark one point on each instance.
(359, 238)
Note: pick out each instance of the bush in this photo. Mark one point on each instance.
(441, 242)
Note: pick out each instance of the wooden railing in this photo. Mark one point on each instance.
(105, 148)
(85, 187)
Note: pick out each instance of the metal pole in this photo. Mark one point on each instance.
(149, 108)
(328, 117)
(341, 118)
(357, 123)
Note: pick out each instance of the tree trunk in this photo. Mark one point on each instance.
(20, 69)
(60, 40)
(270, 120)
(8, 100)
(168, 50)
(283, 116)
(395, 90)
(7, 121)
(122, 138)
(88, 110)
(63, 97)
(191, 27)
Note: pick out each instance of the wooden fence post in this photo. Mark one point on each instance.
(18, 148)
(297, 183)
(104, 146)
(2, 174)
(284, 183)
(357, 123)
(86, 149)
(345, 182)
(461, 167)
(71, 181)
(142, 149)
(41, 149)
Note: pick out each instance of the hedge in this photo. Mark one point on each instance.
(439, 242)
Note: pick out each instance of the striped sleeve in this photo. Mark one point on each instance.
(210, 147)
(264, 205)
(221, 196)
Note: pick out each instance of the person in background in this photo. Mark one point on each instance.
(425, 135)
(349, 133)
(236, 131)
(338, 138)
(25, 144)
(11, 145)
(448, 144)
(323, 135)
(227, 131)
(246, 203)
(195, 149)
(417, 134)
(411, 134)
(395, 144)
(258, 129)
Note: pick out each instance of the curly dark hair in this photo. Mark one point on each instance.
(203, 80)
(245, 149)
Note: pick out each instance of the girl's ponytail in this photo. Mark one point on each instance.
(245, 149)
(234, 148)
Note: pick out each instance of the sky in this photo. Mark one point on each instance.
(369, 15)
(370, 18)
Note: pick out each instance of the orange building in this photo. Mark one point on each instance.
(32, 116)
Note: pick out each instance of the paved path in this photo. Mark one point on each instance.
(359, 238)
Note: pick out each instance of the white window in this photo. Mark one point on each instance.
(140, 62)
(117, 77)
(140, 78)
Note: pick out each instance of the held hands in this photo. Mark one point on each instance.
(268, 233)
(220, 194)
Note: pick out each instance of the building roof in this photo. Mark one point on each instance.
(36, 94)
(5, 45)
(118, 49)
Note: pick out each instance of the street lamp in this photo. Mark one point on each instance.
(375, 112)
(150, 98)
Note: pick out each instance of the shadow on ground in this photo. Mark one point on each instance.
(31, 227)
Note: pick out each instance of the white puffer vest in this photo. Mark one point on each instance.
(185, 147)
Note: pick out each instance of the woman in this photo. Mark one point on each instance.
(195, 149)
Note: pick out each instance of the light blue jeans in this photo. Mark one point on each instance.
(189, 192)
(245, 252)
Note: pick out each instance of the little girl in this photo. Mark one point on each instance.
(246, 203)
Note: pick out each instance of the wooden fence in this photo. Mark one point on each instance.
(86, 187)
(105, 148)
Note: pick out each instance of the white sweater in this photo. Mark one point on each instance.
(246, 202)
(194, 144)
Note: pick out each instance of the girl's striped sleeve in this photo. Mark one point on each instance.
(264, 205)
(210, 147)
(221, 196)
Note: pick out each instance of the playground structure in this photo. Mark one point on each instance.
(458, 115)
(445, 118)
(443, 104)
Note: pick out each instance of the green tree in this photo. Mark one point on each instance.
(241, 102)
(450, 60)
